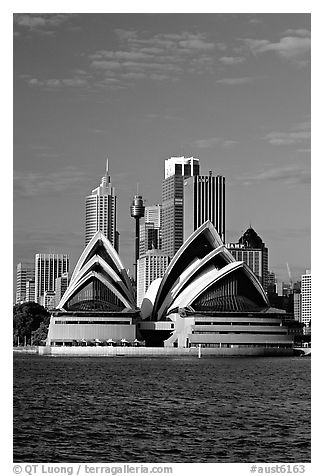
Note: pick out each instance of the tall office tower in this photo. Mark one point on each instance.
(25, 273)
(176, 169)
(149, 238)
(251, 249)
(172, 214)
(153, 215)
(48, 267)
(30, 291)
(150, 230)
(271, 283)
(297, 306)
(204, 199)
(184, 166)
(48, 300)
(101, 213)
(279, 288)
(149, 267)
(61, 285)
(306, 282)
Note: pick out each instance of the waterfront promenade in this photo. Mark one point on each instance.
(150, 352)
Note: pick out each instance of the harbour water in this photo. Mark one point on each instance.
(177, 410)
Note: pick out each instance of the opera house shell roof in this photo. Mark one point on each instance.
(205, 298)
(99, 281)
(204, 276)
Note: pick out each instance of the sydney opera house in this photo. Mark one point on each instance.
(206, 299)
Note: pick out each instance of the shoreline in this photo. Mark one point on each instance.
(152, 352)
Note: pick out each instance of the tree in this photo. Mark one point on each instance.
(39, 336)
(27, 318)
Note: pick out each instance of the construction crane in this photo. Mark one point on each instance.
(290, 278)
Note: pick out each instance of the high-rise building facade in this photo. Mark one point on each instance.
(25, 273)
(306, 304)
(176, 169)
(30, 291)
(188, 200)
(153, 215)
(61, 285)
(204, 199)
(150, 230)
(101, 213)
(172, 214)
(297, 306)
(48, 300)
(271, 282)
(149, 238)
(149, 267)
(184, 166)
(251, 250)
(48, 267)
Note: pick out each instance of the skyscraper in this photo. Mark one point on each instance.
(149, 238)
(153, 215)
(188, 200)
(150, 230)
(25, 273)
(101, 213)
(297, 306)
(172, 214)
(306, 303)
(204, 199)
(271, 282)
(48, 267)
(30, 291)
(251, 249)
(175, 170)
(184, 166)
(149, 267)
(61, 285)
(47, 300)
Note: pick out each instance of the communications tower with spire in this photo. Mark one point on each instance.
(137, 211)
(101, 213)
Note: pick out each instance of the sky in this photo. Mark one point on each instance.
(230, 89)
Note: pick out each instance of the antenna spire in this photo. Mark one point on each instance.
(107, 170)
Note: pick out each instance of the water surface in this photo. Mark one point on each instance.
(178, 410)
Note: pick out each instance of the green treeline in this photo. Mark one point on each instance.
(30, 324)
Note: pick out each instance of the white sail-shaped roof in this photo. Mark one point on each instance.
(100, 261)
(200, 243)
(204, 265)
(195, 268)
(210, 277)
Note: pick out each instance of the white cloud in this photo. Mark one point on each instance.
(212, 142)
(158, 57)
(287, 138)
(300, 134)
(35, 183)
(40, 23)
(58, 83)
(232, 60)
(298, 32)
(235, 81)
(291, 175)
(291, 48)
(255, 21)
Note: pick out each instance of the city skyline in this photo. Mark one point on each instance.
(231, 90)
